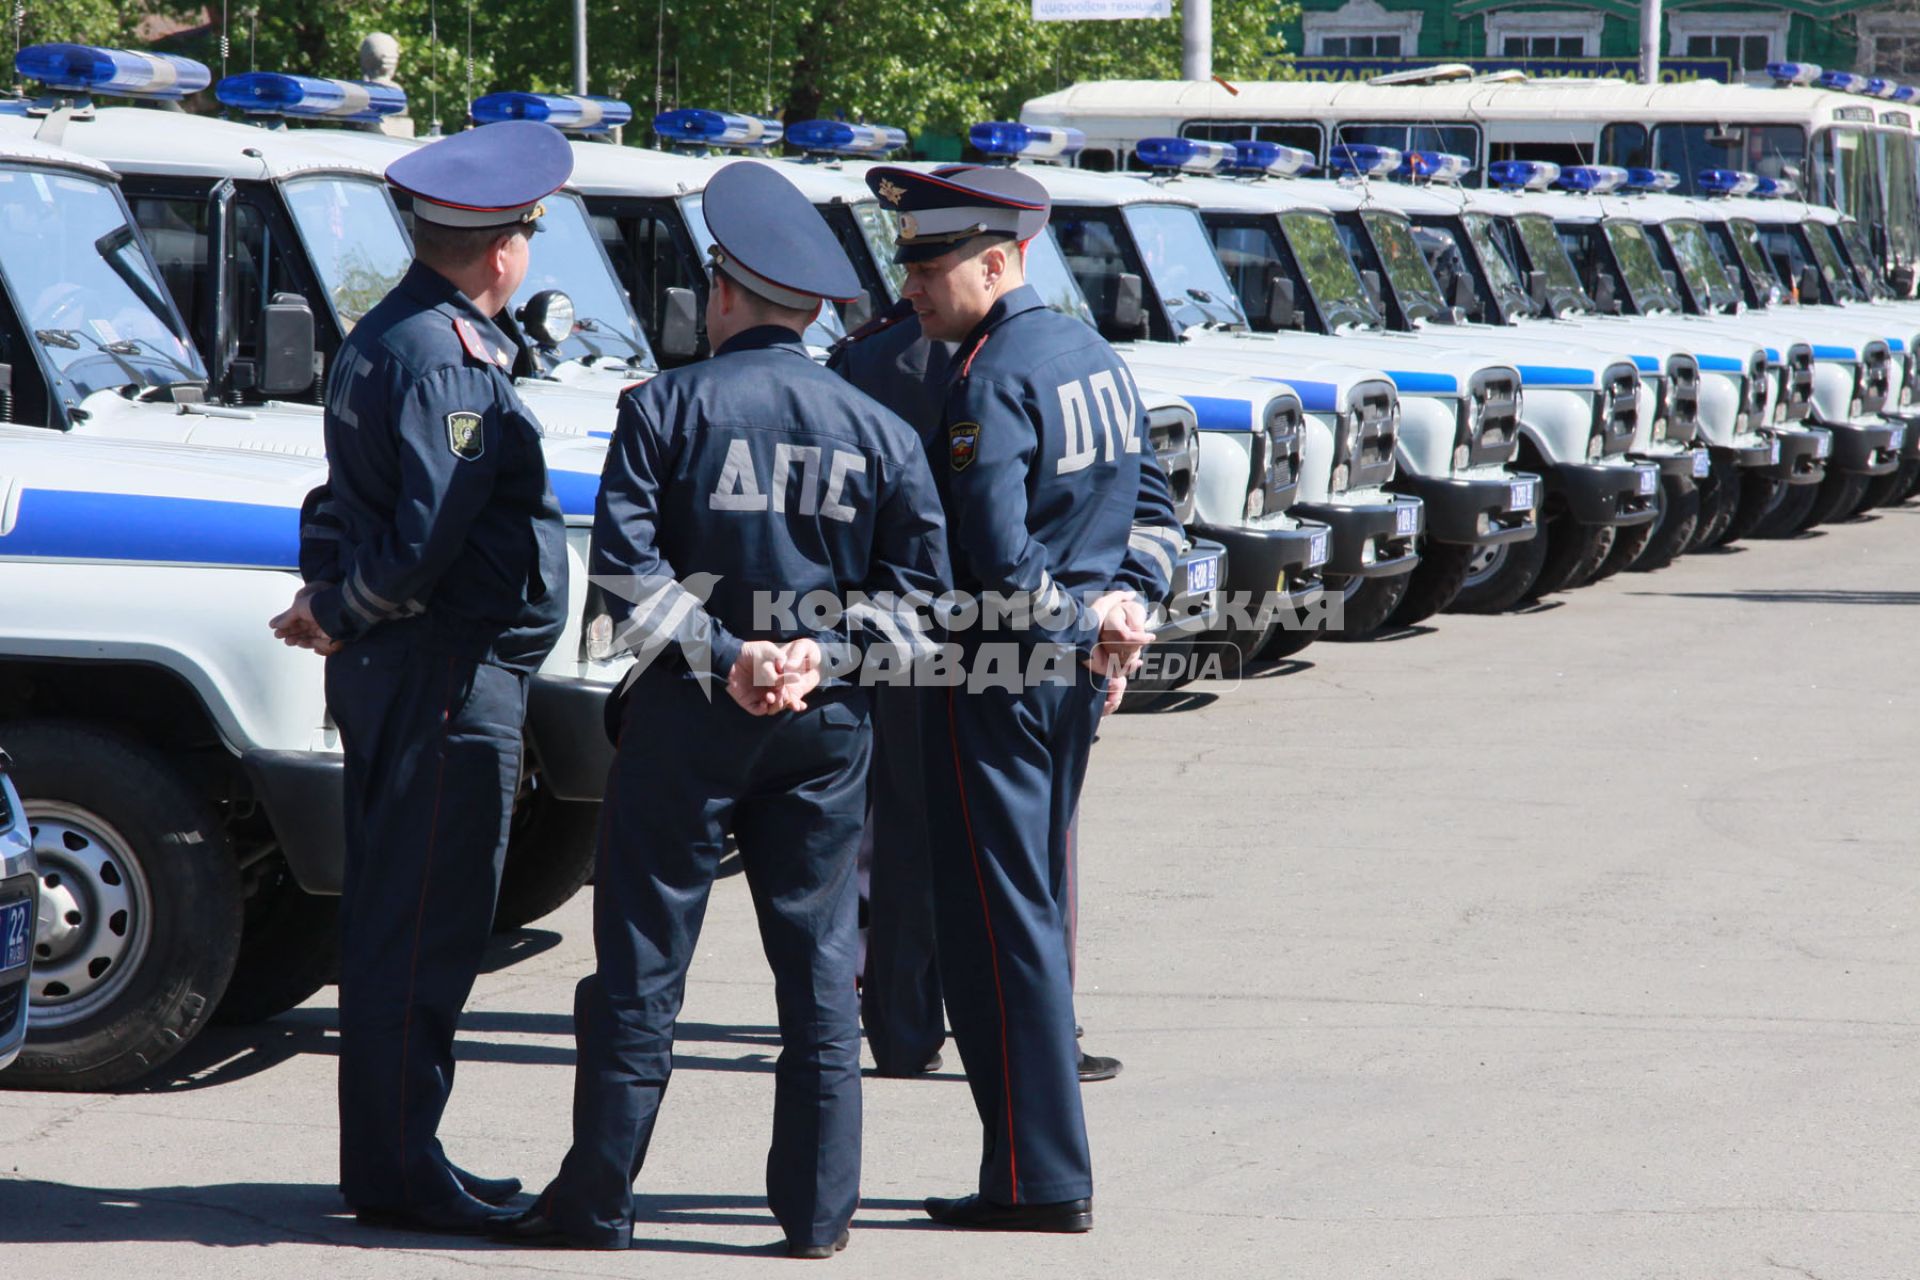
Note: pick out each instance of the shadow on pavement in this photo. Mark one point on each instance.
(1387, 635)
(1276, 669)
(508, 949)
(1810, 596)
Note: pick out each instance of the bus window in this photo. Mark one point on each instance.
(1459, 139)
(1852, 178)
(1563, 154)
(1304, 134)
(1626, 145)
(1902, 210)
(1770, 150)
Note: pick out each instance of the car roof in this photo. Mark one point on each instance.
(19, 148)
(144, 140)
(601, 169)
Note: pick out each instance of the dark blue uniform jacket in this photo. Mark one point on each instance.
(437, 500)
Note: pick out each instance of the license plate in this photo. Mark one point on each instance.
(1702, 464)
(1316, 550)
(1822, 445)
(16, 933)
(1405, 520)
(1899, 438)
(1649, 479)
(1203, 575)
(1520, 495)
(1773, 449)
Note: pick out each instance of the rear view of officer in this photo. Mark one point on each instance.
(735, 490)
(435, 560)
(1054, 503)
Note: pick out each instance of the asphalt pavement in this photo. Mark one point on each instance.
(1574, 943)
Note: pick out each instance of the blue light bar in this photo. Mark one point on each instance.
(1592, 179)
(268, 93)
(1795, 72)
(1271, 157)
(1191, 155)
(1843, 81)
(111, 73)
(838, 138)
(1028, 141)
(1362, 159)
(1652, 179)
(1523, 175)
(1774, 188)
(567, 112)
(1880, 87)
(1905, 93)
(1726, 182)
(1433, 166)
(730, 129)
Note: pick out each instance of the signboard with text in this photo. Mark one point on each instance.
(1083, 10)
(1672, 70)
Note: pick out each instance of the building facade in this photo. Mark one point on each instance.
(1349, 39)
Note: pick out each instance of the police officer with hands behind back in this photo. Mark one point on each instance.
(1054, 502)
(733, 489)
(436, 572)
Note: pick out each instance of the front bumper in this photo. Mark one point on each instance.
(1616, 493)
(1799, 456)
(1758, 452)
(1684, 464)
(1281, 564)
(1193, 606)
(1867, 450)
(19, 886)
(1371, 539)
(303, 793)
(1480, 511)
(1910, 444)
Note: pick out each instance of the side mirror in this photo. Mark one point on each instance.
(1605, 300)
(1370, 280)
(1281, 312)
(286, 347)
(680, 325)
(1810, 284)
(547, 318)
(1462, 296)
(1129, 304)
(1901, 278)
(1537, 289)
(859, 311)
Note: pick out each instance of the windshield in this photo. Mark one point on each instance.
(82, 282)
(826, 328)
(1053, 280)
(1405, 266)
(566, 255)
(354, 240)
(1744, 262)
(1853, 176)
(880, 228)
(1770, 150)
(1753, 256)
(1832, 269)
(1546, 254)
(1174, 245)
(1501, 274)
(1694, 257)
(1639, 267)
(1902, 188)
(1859, 255)
(1329, 272)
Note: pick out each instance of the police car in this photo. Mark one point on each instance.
(19, 910)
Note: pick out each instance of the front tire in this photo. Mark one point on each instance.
(1574, 552)
(1367, 604)
(289, 947)
(1434, 582)
(1835, 498)
(1680, 514)
(1721, 497)
(1499, 577)
(1888, 490)
(140, 903)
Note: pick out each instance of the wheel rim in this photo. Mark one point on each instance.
(95, 914)
(1485, 564)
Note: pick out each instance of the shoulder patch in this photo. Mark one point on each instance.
(476, 345)
(963, 443)
(465, 436)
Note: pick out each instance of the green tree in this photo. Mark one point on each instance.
(933, 65)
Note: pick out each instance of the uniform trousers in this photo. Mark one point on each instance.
(432, 744)
(1004, 771)
(900, 990)
(792, 789)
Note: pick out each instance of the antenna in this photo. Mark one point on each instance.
(659, 52)
(19, 25)
(767, 84)
(433, 65)
(469, 55)
(225, 45)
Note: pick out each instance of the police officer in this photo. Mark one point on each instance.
(1053, 501)
(742, 496)
(435, 560)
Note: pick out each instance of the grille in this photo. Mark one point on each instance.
(1617, 408)
(1799, 397)
(1376, 408)
(1281, 441)
(1683, 398)
(1495, 395)
(1175, 443)
(1876, 377)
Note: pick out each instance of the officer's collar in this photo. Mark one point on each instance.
(432, 289)
(1005, 307)
(762, 337)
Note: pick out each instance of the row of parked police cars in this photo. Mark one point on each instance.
(1379, 394)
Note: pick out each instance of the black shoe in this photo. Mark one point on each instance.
(977, 1213)
(490, 1190)
(1094, 1068)
(535, 1228)
(819, 1250)
(926, 1068)
(461, 1216)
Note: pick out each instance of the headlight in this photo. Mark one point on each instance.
(1660, 428)
(1461, 456)
(1595, 447)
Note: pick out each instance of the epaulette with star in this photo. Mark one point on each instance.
(898, 313)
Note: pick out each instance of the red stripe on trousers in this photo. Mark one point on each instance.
(993, 953)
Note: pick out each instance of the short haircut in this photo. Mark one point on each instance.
(768, 311)
(438, 243)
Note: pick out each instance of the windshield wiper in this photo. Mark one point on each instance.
(592, 325)
(66, 339)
